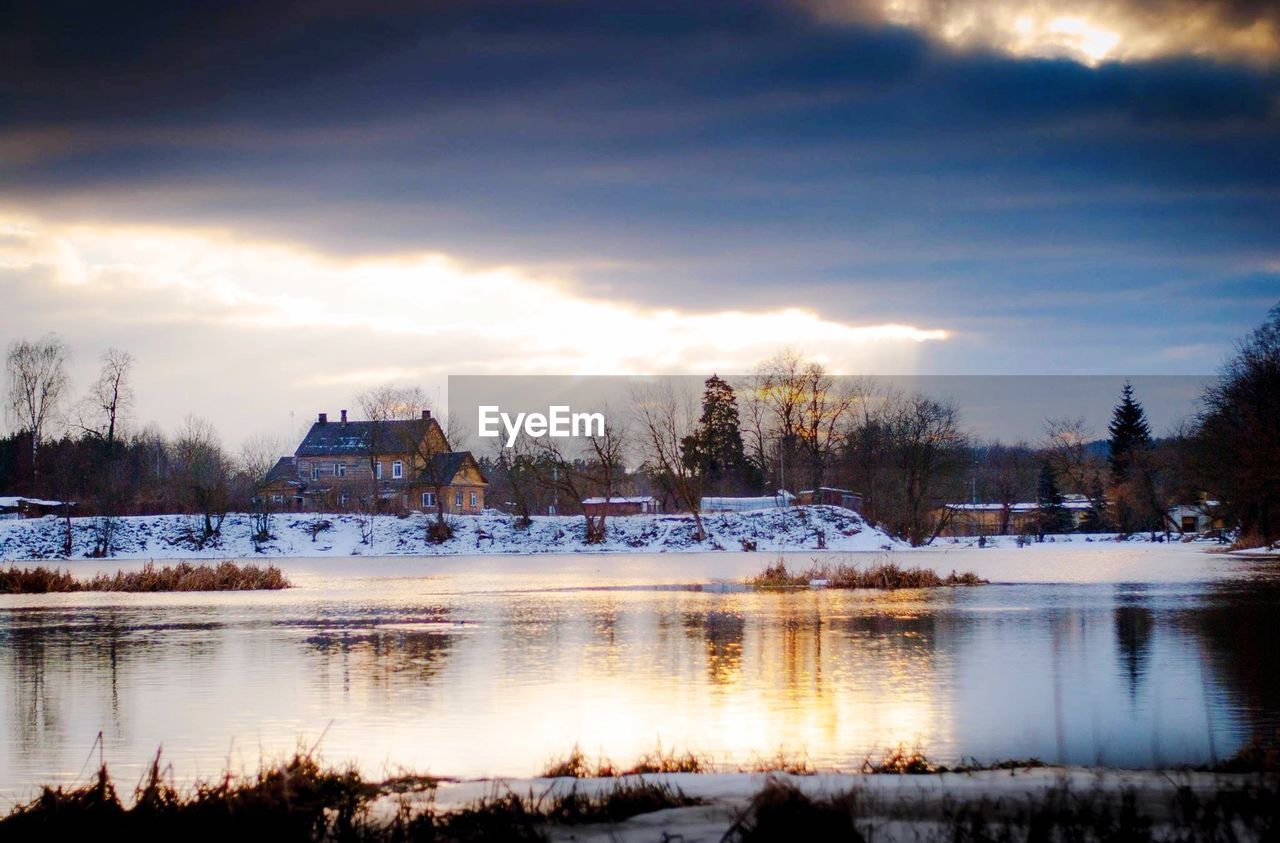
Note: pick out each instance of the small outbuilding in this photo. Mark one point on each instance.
(624, 505)
(830, 496)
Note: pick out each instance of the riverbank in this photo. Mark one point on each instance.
(326, 535)
(300, 800)
(314, 535)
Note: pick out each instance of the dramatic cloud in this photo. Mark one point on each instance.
(1060, 190)
(330, 327)
(1092, 30)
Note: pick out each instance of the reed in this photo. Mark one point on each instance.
(887, 576)
(184, 576)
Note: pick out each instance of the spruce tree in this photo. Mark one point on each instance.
(1054, 517)
(1129, 432)
(715, 451)
(1096, 519)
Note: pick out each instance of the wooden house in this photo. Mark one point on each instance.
(402, 465)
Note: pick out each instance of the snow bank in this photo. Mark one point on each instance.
(171, 536)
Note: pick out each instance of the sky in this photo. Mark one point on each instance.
(274, 206)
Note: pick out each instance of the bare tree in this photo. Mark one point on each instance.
(516, 465)
(37, 382)
(667, 422)
(429, 442)
(1066, 444)
(204, 472)
(382, 406)
(929, 450)
(824, 406)
(1005, 475)
(596, 472)
(102, 413)
(779, 385)
(258, 455)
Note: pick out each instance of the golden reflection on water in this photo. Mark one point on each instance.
(402, 674)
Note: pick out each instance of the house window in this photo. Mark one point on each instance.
(475, 500)
(377, 470)
(277, 498)
(342, 499)
(339, 469)
(397, 470)
(428, 500)
(457, 499)
(315, 471)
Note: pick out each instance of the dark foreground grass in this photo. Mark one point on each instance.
(781, 811)
(576, 765)
(300, 800)
(887, 576)
(225, 576)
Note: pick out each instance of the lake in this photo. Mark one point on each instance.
(1122, 655)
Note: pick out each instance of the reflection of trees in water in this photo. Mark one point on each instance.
(722, 633)
(407, 650)
(1134, 625)
(1239, 628)
(55, 656)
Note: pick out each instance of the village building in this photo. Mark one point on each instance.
(24, 507)
(1201, 517)
(1012, 519)
(405, 464)
(780, 500)
(830, 496)
(623, 505)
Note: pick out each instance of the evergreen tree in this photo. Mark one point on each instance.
(1054, 517)
(1129, 433)
(715, 450)
(1096, 519)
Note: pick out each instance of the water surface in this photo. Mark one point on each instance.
(1130, 656)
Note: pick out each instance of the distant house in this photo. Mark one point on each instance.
(724, 504)
(1199, 517)
(23, 507)
(829, 496)
(405, 463)
(993, 519)
(623, 505)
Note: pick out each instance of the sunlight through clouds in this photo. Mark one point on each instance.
(1092, 32)
(398, 318)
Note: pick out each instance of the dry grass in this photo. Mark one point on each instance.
(225, 576)
(782, 811)
(576, 765)
(795, 765)
(887, 577)
(300, 800)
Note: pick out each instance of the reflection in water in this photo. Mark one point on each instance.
(1241, 644)
(1134, 624)
(496, 680)
(722, 632)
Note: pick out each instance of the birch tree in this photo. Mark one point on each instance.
(37, 375)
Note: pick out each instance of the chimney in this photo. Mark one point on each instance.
(426, 415)
(324, 418)
(344, 416)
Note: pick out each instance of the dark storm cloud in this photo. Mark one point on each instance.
(669, 152)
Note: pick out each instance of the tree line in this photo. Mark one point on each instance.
(790, 425)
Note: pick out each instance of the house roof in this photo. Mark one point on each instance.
(445, 466)
(336, 438)
(636, 499)
(285, 471)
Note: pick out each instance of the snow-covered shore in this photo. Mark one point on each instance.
(890, 807)
(169, 536)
